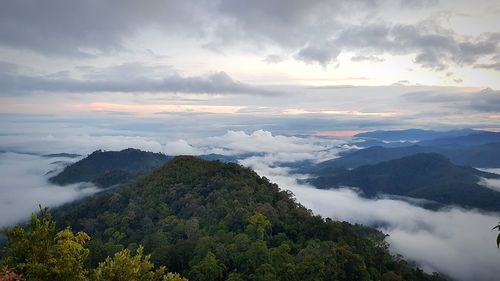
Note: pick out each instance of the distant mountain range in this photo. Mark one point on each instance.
(480, 149)
(413, 134)
(426, 175)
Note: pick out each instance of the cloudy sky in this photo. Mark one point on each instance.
(197, 67)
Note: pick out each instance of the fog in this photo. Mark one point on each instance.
(24, 186)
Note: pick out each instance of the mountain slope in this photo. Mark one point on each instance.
(428, 176)
(197, 216)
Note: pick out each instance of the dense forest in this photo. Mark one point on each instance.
(206, 220)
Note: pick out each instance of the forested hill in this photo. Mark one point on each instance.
(219, 221)
(427, 175)
(106, 168)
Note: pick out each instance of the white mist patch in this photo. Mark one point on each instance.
(490, 170)
(454, 241)
(24, 187)
(490, 183)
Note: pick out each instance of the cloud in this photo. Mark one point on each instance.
(260, 141)
(322, 54)
(434, 47)
(24, 187)
(181, 147)
(75, 143)
(69, 28)
(129, 77)
(372, 59)
(418, 3)
(491, 183)
(315, 31)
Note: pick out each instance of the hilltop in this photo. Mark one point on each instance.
(426, 175)
(192, 211)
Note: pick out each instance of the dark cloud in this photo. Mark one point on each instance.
(434, 47)
(372, 59)
(322, 54)
(418, 3)
(314, 31)
(494, 64)
(59, 27)
(132, 77)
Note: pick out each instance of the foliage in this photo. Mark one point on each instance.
(216, 221)
(8, 275)
(125, 267)
(42, 253)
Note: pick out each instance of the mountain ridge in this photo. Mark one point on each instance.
(428, 176)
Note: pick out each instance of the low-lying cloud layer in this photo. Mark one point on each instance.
(24, 187)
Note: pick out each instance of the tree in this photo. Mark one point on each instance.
(125, 267)
(41, 253)
(208, 269)
(497, 227)
(259, 224)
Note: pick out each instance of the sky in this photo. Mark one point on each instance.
(201, 68)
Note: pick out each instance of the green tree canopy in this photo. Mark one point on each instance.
(41, 253)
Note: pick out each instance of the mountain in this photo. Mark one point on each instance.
(367, 156)
(107, 168)
(475, 139)
(413, 134)
(427, 176)
(484, 156)
(198, 217)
